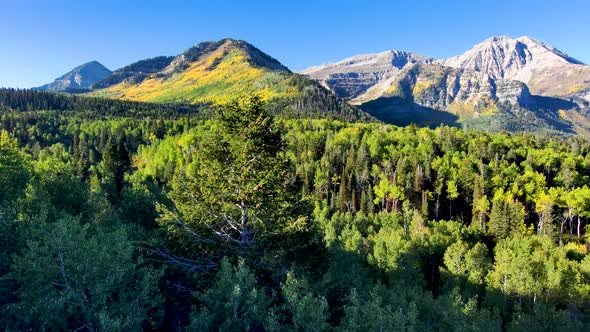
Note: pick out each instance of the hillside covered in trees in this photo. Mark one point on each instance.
(119, 215)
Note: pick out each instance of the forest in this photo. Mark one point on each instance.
(122, 216)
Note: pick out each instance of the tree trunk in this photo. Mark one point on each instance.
(504, 289)
(450, 209)
(244, 236)
(481, 221)
(571, 225)
(568, 218)
(437, 205)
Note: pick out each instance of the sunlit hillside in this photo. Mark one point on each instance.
(217, 75)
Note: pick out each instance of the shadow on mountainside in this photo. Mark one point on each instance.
(400, 112)
(538, 114)
(548, 109)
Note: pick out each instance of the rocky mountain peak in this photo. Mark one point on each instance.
(510, 58)
(221, 48)
(81, 77)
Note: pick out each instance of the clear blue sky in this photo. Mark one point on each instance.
(43, 39)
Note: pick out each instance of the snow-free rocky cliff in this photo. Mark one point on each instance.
(499, 70)
(545, 69)
(500, 77)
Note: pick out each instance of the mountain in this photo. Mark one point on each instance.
(209, 72)
(441, 87)
(352, 77)
(500, 84)
(79, 78)
(546, 70)
(218, 71)
(430, 94)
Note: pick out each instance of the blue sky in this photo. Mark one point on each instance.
(43, 39)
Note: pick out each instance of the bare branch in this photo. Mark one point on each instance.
(186, 263)
(197, 236)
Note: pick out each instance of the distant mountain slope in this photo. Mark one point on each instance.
(441, 87)
(405, 79)
(216, 72)
(135, 72)
(81, 77)
(546, 70)
(495, 86)
(209, 72)
(352, 77)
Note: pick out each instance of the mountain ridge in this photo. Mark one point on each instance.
(523, 59)
(135, 71)
(522, 78)
(499, 76)
(215, 72)
(368, 70)
(207, 72)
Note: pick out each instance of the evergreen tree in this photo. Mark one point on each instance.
(73, 278)
(116, 161)
(506, 216)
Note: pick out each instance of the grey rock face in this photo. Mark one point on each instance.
(525, 59)
(439, 87)
(352, 77)
(510, 58)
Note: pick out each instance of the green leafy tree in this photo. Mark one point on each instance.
(531, 269)
(452, 194)
(481, 208)
(544, 318)
(394, 253)
(13, 171)
(15, 176)
(389, 194)
(544, 208)
(58, 184)
(375, 315)
(235, 197)
(576, 203)
(472, 263)
(234, 302)
(82, 157)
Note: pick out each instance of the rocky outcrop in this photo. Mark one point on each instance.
(423, 80)
(439, 87)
